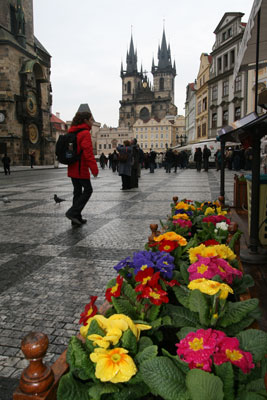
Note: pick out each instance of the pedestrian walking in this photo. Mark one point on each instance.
(198, 158)
(6, 164)
(79, 170)
(32, 158)
(169, 160)
(206, 155)
(152, 158)
(102, 161)
(114, 161)
(135, 163)
(125, 164)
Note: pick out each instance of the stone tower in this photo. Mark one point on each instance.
(139, 98)
(25, 88)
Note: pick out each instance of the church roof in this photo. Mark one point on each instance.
(164, 54)
(131, 58)
(55, 119)
(84, 108)
(40, 46)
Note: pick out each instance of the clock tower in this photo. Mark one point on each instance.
(26, 89)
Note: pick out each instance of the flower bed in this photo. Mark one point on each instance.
(175, 327)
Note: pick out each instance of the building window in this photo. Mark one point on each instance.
(141, 136)
(219, 64)
(224, 36)
(204, 129)
(167, 135)
(237, 113)
(232, 57)
(109, 146)
(128, 87)
(13, 21)
(100, 146)
(145, 145)
(238, 83)
(214, 120)
(105, 146)
(161, 145)
(204, 104)
(230, 32)
(225, 117)
(199, 131)
(203, 79)
(141, 145)
(214, 93)
(225, 61)
(161, 135)
(225, 88)
(199, 107)
(200, 81)
(161, 84)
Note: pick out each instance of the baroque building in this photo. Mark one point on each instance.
(227, 97)
(25, 89)
(141, 99)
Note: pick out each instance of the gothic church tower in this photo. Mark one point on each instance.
(139, 98)
(25, 87)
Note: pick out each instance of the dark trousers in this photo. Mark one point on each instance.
(134, 177)
(82, 191)
(7, 169)
(126, 182)
(206, 164)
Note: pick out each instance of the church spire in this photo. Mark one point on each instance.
(131, 58)
(164, 54)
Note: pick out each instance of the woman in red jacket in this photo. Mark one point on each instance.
(79, 171)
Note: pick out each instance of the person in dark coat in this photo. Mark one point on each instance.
(102, 161)
(152, 160)
(6, 164)
(169, 160)
(125, 168)
(198, 158)
(79, 171)
(206, 155)
(135, 163)
(114, 162)
(32, 158)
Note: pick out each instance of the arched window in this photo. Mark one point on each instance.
(128, 87)
(161, 84)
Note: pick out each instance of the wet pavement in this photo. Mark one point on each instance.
(49, 269)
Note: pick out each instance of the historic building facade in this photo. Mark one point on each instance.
(25, 89)
(190, 112)
(227, 97)
(141, 99)
(202, 97)
(109, 138)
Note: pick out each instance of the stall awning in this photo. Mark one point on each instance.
(247, 50)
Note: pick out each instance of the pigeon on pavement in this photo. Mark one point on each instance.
(58, 200)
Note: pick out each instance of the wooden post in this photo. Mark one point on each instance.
(155, 232)
(232, 229)
(38, 381)
(175, 199)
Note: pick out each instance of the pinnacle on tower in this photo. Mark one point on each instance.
(131, 58)
(164, 54)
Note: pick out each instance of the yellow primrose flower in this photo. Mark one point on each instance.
(182, 205)
(209, 251)
(118, 319)
(194, 251)
(211, 287)
(99, 341)
(209, 210)
(220, 212)
(225, 252)
(181, 216)
(113, 365)
(101, 320)
(172, 236)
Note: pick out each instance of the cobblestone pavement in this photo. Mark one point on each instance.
(48, 269)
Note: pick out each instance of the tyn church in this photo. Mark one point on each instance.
(139, 98)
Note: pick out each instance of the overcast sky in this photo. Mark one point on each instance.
(88, 40)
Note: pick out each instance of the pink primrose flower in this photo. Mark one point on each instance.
(225, 270)
(197, 347)
(205, 365)
(202, 268)
(183, 223)
(214, 219)
(229, 351)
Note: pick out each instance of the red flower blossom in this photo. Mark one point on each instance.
(89, 311)
(114, 290)
(168, 245)
(155, 294)
(210, 242)
(147, 278)
(171, 283)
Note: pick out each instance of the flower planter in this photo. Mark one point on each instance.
(40, 382)
(240, 193)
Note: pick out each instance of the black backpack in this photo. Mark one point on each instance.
(66, 148)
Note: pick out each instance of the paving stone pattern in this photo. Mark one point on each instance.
(49, 269)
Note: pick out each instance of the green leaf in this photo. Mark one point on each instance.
(185, 330)
(204, 385)
(129, 292)
(184, 272)
(143, 343)
(182, 365)
(226, 373)
(71, 389)
(79, 360)
(153, 313)
(182, 295)
(98, 389)
(251, 396)
(123, 306)
(199, 303)
(256, 385)
(163, 377)
(95, 329)
(129, 341)
(254, 341)
(235, 312)
(132, 392)
(181, 316)
(147, 353)
(234, 329)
